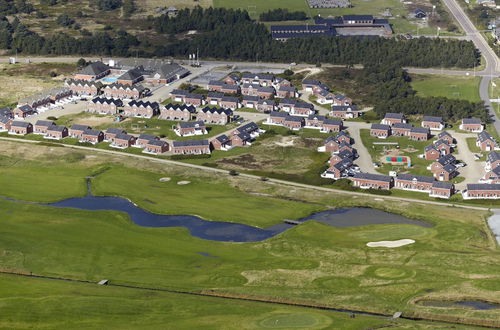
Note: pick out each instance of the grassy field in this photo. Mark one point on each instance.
(407, 148)
(312, 263)
(453, 87)
(21, 80)
(153, 126)
(118, 308)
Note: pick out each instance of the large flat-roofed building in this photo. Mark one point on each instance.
(347, 25)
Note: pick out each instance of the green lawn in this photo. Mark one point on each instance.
(419, 165)
(312, 262)
(89, 305)
(453, 87)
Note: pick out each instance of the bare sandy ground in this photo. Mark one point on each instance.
(391, 244)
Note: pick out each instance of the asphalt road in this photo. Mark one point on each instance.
(474, 169)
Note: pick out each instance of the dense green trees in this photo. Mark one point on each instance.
(9, 7)
(282, 15)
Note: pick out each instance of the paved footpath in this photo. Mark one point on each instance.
(254, 177)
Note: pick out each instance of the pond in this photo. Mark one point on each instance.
(470, 304)
(231, 231)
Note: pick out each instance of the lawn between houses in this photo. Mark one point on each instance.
(311, 263)
(452, 87)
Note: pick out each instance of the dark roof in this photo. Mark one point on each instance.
(215, 95)
(429, 147)
(266, 102)
(331, 139)
(244, 136)
(79, 127)
(216, 83)
(483, 136)
(191, 124)
(168, 71)
(265, 90)
(318, 117)
(45, 123)
(228, 112)
(113, 130)
(287, 89)
(145, 104)
(344, 108)
(471, 121)
(24, 124)
(6, 112)
(103, 100)
(381, 126)
(124, 136)
(230, 99)
(82, 82)
(440, 142)
(188, 143)
(311, 82)
(357, 17)
(148, 137)
(179, 92)
(248, 128)
(402, 126)
(450, 168)
(92, 132)
(131, 75)
(447, 159)
(278, 114)
(493, 156)
(345, 154)
(25, 108)
(433, 119)
(442, 185)
(137, 87)
(419, 130)
(157, 142)
(181, 107)
(5, 119)
(393, 115)
(57, 128)
(94, 69)
(336, 122)
(251, 98)
(222, 138)
(294, 119)
(419, 178)
(234, 77)
(483, 186)
(304, 105)
(374, 177)
(231, 87)
(288, 101)
(444, 133)
(344, 164)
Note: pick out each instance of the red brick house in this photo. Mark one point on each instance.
(338, 157)
(191, 147)
(56, 132)
(190, 128)
(221, 142)
(338, 170)
(104, 106)
(214, 98)
(123, 141)
(250, 128)
(249, 89)
(5, 124)
(111, 133)
(230, 102)
(433, 123)
(331, 145)
(431, 153)
(265, 92)
(120, 91)
(343, 137)
(373, 181)
(341, 100)
(141, 109)
(492, 176)
(446, 137)
(194, 99)
(20, 128)
(93, 71)
(84, 87)
(179, 95)
(315, 121)
(492, 161)
(143, 140)
(215, 116)
(241, 140)
(261, 79)
(23, 111)
(345, 112)
(443, 147)
(266, 105)
(444, 173)
(250, 101)
(92, 136)
(401, 129)
(392, 118)
(482, 191)
(177, 112)
(76, 131)
(131, 77)
(472, 125)
(414, 182)
(276, 118)
(294, 122)
(380, 131)
(486, 142)
(287, 104)
(41, 126)
(332, 125)
(286, 92)
(442, 189)
(419, 134)
(156, 147)
(232, 79)
(302, 109)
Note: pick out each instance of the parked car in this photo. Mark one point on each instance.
(376, 165)
(461, 164)
(477, 156)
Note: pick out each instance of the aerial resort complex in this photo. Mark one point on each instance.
(249, 165)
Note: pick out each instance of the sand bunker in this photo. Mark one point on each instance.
(391, 244)
(166, 179)
(183, 182)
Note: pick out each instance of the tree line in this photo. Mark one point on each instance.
(282, 15)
